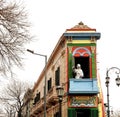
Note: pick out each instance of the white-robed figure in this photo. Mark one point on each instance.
(78, 71)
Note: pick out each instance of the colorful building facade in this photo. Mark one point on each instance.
(84, 93)
(82, 96)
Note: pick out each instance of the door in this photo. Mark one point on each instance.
(83, 113)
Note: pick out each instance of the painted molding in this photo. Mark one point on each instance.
(81, 54)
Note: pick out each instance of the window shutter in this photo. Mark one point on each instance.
(57, 77)
(49, 84)
(94, 112)
(71, 113)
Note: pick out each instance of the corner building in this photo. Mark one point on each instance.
(82, 97)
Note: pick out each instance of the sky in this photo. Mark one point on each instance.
(49, 20)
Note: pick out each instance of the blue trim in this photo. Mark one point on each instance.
(83, 92)
(83, 86)
(84, 35)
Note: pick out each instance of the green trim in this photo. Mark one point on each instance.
(93, 66)
(93, 112)
(70, 65)
(83, 44)
(71, 59)
(71, 112)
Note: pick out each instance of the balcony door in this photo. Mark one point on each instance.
(85, 65)
(83, 113)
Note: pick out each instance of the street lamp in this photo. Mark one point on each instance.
(45, 56)
(60, 93)
(107, 85)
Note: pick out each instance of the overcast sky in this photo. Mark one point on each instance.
(50, 19)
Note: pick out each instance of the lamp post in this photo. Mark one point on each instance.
(45, 56)
(60, 92)
(107, 85)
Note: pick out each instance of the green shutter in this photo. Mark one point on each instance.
(71, 112)
(70, 65)
(94, 112)
(93, 66)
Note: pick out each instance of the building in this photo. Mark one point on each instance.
(27, 103)
(82, 96)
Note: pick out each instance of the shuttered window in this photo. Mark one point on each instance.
(49, 84)
(57, 77)
(37, 98)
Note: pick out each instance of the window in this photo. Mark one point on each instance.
(83, 113)
(82, 56)
(57, 77)
(84, 62)
(49, 84)
(37, 98)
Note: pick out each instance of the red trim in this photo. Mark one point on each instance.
(80, 29)
(95, 63)
(67, 68)
(67, 88)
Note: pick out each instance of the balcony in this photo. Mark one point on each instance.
(51, 99)
(83, 86)
(38, 107)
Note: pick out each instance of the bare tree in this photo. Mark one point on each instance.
(14, 33)
(13, 94)
(10, 110)
(116, 113)
(1, 110)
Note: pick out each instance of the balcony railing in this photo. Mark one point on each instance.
(37, 107)
(51, 99)
(83, 86)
